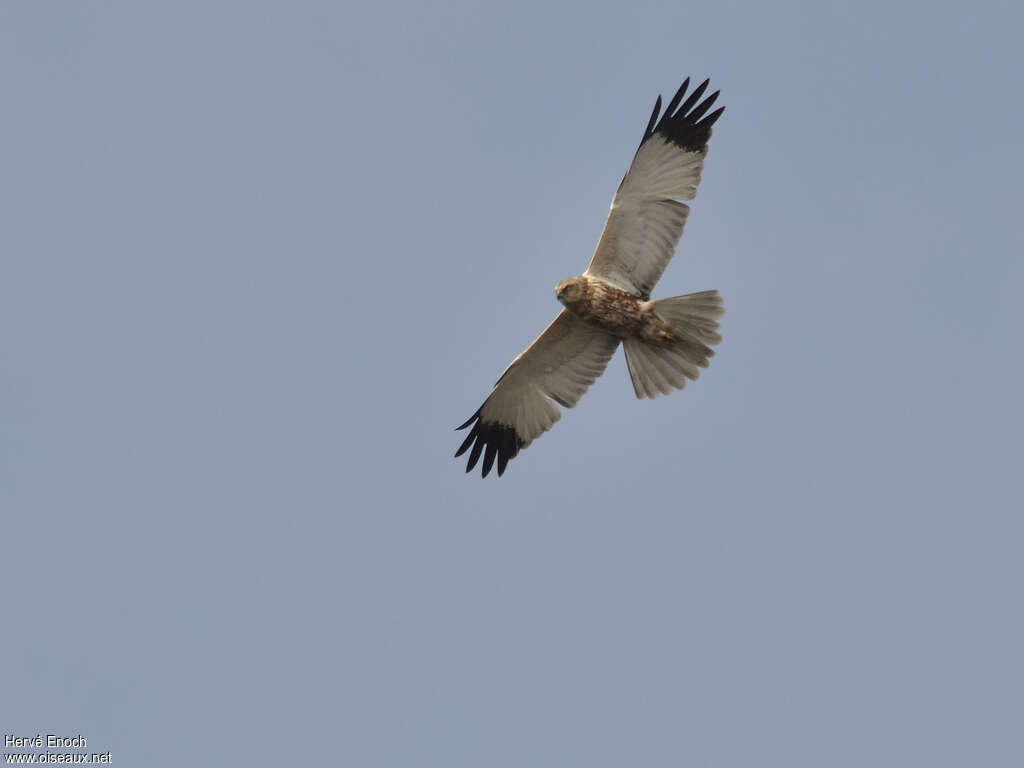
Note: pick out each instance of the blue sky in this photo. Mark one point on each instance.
(259, 261)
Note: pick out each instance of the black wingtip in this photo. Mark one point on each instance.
(654, 117)
(682, 123)
(496, 442)
(678, 97)
(468, 421)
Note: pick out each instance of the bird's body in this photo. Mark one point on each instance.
(666, 341)
(613, 310)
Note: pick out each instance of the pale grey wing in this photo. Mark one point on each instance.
(557, 368)
(646, 218)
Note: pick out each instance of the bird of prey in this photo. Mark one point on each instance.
(666, 341)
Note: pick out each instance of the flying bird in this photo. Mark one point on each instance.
(666, 341)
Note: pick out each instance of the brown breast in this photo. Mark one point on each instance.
(610, 309)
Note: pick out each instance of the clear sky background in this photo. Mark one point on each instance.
(259, 260)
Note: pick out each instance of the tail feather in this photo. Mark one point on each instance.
(657, 369)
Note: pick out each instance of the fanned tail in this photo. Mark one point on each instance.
(658, 369)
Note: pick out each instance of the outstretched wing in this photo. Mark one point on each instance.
(557, 368)
(646, 219)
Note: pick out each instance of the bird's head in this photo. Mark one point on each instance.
(569, 289)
